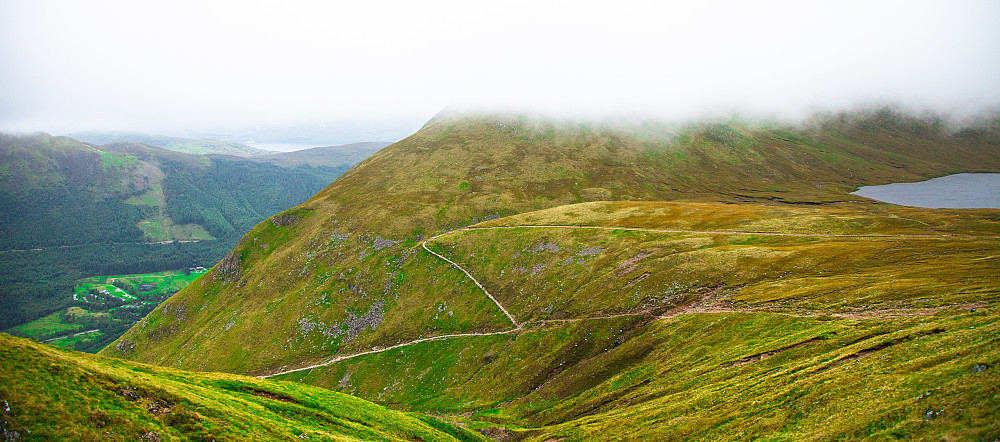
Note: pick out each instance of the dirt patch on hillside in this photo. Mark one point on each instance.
(705, 300)
(764, 355)
(884, 345)
(270, 395)
(632, 263)
(349, 328)
(550, 247)
(898, 312)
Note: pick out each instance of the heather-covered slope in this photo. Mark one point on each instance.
(52, 394)
(346, 258)
(336, 281)
(655, 319)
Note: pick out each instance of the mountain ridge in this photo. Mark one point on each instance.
(347, 272)
(410, 213)
(178, 144)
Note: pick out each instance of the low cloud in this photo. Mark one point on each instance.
(176, 67)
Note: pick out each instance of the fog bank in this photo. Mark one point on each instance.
(185, 68)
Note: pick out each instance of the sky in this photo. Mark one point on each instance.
(367, 70)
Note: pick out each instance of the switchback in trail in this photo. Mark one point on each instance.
(706, 302)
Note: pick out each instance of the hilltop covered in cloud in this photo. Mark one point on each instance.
(182, 68)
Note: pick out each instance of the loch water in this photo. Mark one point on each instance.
(958, 191)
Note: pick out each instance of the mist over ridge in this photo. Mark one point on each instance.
(379, 71)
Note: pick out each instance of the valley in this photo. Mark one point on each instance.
(105, 306)
(70, 210)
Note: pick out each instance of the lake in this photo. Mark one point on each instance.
(959, 191)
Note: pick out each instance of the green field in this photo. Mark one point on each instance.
(71, 341)
(112, 290)
(45, 326)
(165, 282)
(99, 318)
(157, 226)
(189, 232)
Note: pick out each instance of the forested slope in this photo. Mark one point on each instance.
(69, 209)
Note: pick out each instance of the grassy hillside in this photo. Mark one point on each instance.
(202, 146)
(70, 209)
(54, 394)
(764, 254)
(655, 327)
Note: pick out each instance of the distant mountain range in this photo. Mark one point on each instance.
(337, 157)
(177, 144)
(328, 156)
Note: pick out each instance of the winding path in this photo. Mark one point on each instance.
(487, 292)
(736, 232)
(336, 359)
(688, 308)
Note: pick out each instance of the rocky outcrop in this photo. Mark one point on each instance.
(125, 346)
(230, 268)
(284, 220)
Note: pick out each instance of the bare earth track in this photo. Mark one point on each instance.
(487, 292)
(707, 301)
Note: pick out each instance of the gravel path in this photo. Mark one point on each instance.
(487, 292)
(741, 232)
(702, 305)
(336, 359)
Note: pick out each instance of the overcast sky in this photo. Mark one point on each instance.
(179, 67)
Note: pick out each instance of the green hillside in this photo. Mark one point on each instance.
(764, 277)
(54, 394)
(202, 146)
(70, 209)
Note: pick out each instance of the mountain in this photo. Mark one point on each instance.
(344, 156)
(70, 209)
(580, 280)
(53, 394)
(186, 145)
